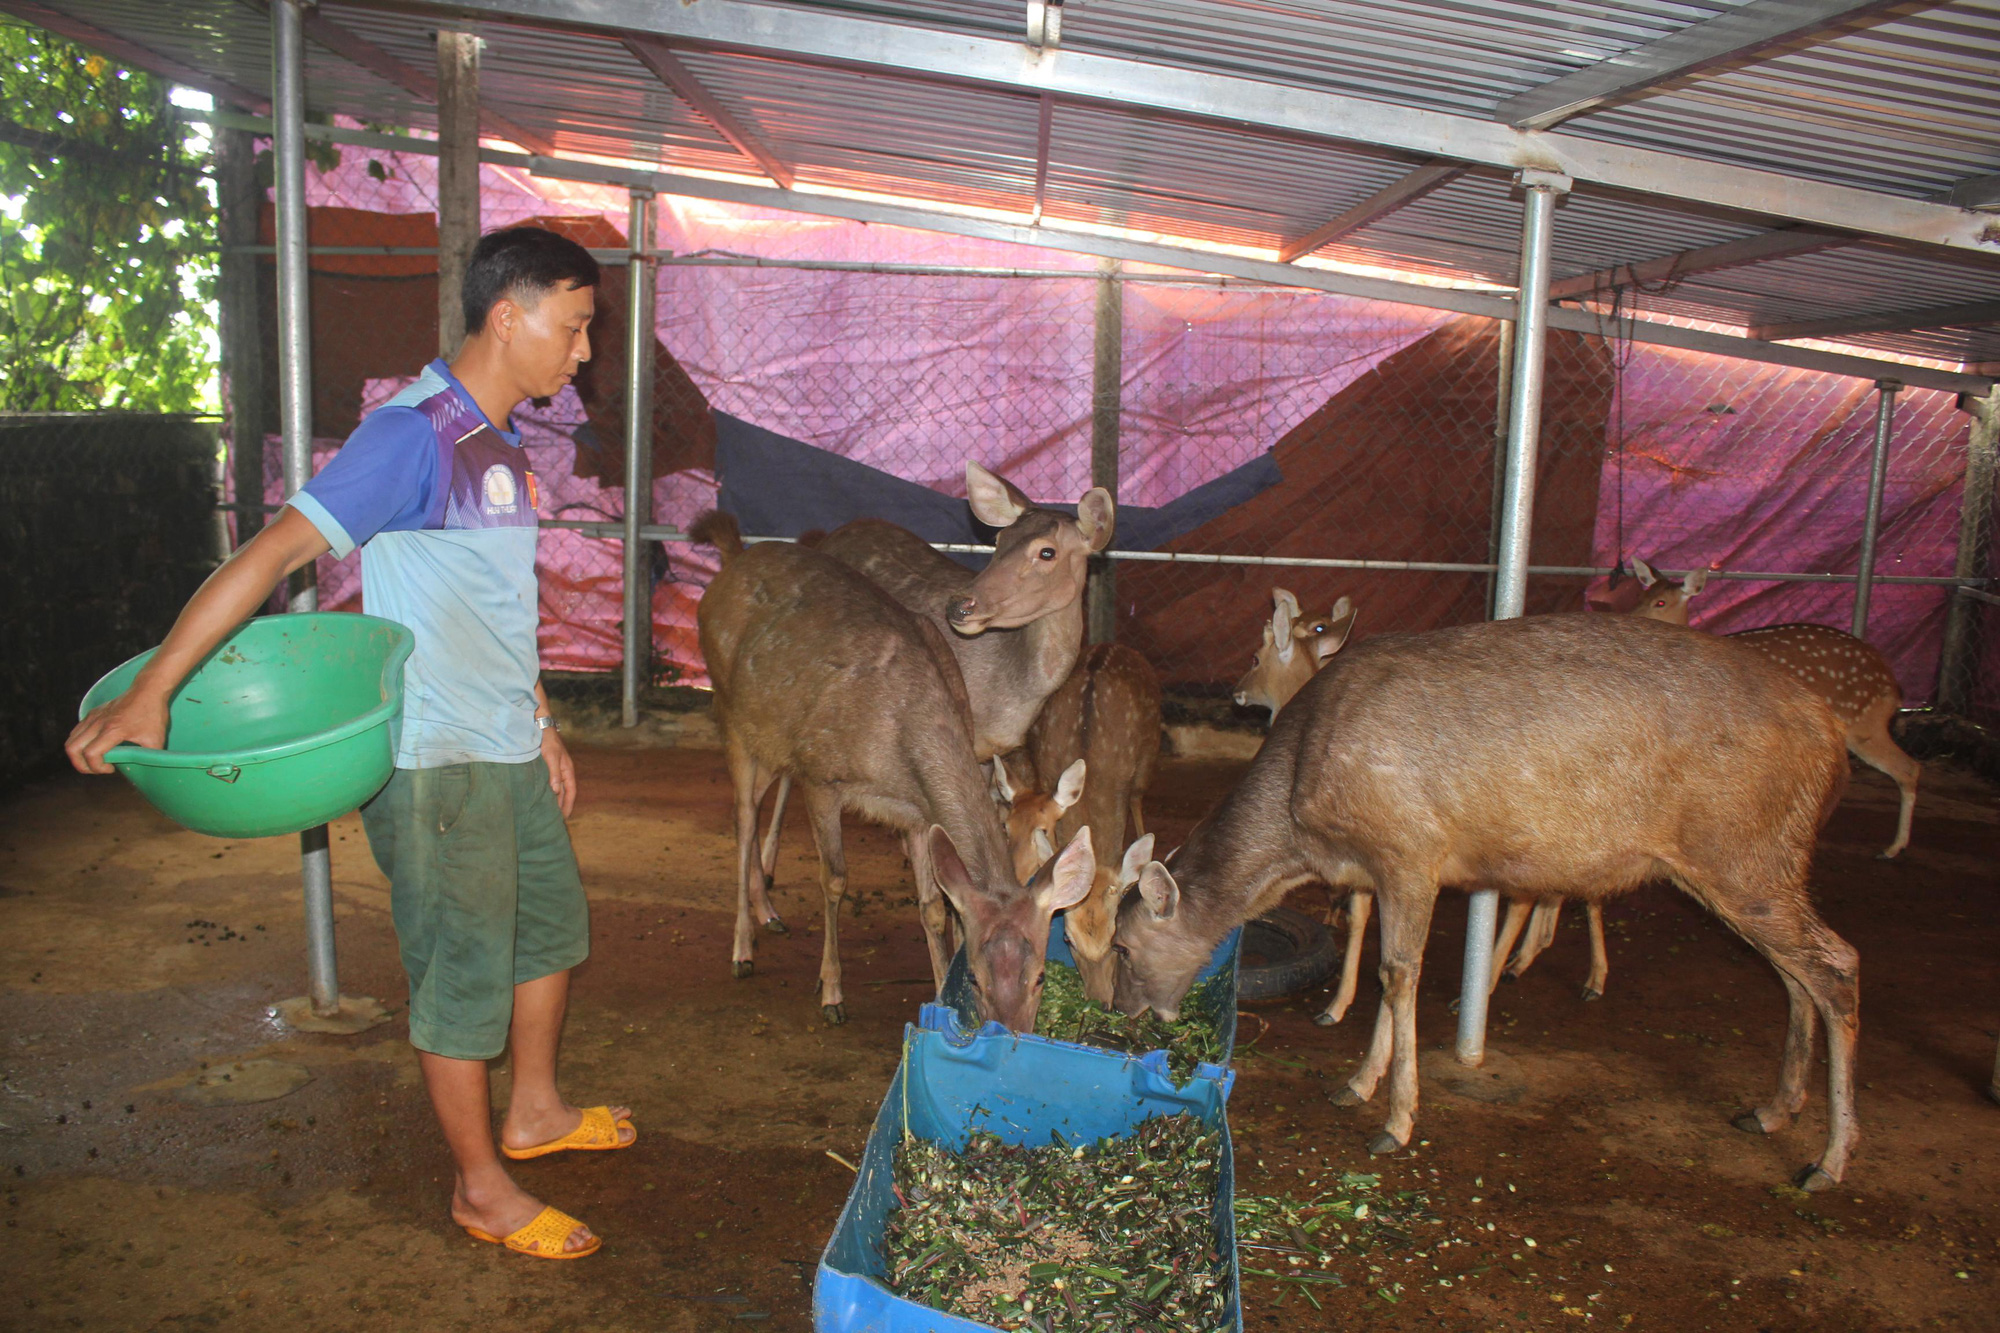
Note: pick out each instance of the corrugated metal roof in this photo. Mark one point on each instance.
(1906, 104)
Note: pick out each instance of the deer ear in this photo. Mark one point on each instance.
(1694, 582)
(1135, 860)
(1096, 515)
(1339, 624)
(1282, 616)
(1070, 785)
(1282, 597)
(1161, 892)
(1003, 786)
(1070, 878)
(995, 501)
(1644, 573)
(949, 871)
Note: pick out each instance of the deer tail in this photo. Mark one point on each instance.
(717, 529)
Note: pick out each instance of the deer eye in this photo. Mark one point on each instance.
(1120, 950)
(1047, 553)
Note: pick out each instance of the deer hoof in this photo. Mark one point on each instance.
(834, 1014)
(741, 968)
(1592, 993)
(1382, 1143)
(777, 926)
(1750, 1123)
(1812, 1179)
(1510, 976)
(1326, 1018)
(1887, 853)
(1344, 1096)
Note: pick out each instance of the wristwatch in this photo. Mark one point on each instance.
(546, 724)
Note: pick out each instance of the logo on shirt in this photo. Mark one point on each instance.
(500, 489)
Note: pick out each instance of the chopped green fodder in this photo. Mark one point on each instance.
(1067, 1014)
(1116, 1237)
(1303, 1244)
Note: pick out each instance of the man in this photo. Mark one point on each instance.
(488, 907)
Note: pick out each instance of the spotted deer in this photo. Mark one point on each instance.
(1107, 714)
(1855, 680)
(1510, 755)
(1032, 814)
(1014, 628)
(821, 675)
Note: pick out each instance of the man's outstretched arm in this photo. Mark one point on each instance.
(239, 587)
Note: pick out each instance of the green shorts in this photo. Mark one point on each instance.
(485, 894)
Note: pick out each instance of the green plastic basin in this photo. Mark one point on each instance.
(289, 723)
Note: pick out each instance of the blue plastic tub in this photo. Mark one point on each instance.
(1020, 1089)
(961, 1016)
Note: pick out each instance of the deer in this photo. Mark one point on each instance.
(1031, 814)
(821, 675)
(1570, 756)
(1106, 715)
(1854, 678)
(1014, 627)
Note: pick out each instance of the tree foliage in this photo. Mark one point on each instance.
(107, 237)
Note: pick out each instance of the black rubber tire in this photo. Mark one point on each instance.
(1284, 952)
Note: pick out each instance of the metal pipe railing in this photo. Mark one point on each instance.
(638, 586)
(1871, 522)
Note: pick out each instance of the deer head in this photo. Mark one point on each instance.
(1091, 924)
(1006, 937)
(1032, 815)
(1293, 649)
(1040, 557)
(1158, 956)
(1663, 601)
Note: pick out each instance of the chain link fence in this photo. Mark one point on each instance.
(1368, 432)
(108, 523)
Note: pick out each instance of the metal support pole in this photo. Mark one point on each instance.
(1517, 514)
(1503, 397)
(288, 111)
(1107, 392)
(639, 366)
(1871, 525)
(1959, 660)
(237, 325)
(458, 179)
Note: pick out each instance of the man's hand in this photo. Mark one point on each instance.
(133, 718)
(562, 770)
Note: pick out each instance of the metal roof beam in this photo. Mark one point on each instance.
(922, 218)
(1976, 192)
(666, 67)
(138, 57)
(817, 36)
(1045, 120)
(1888, 321)
(1670, 268)
(418, 83)
(1397, 193)
(1729, 36)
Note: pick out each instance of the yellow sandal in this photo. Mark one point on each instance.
(542, 1238)
(596, 1132)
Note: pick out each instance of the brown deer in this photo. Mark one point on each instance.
(1031, 814)
(1107, 714)
(1293, 649)
(819, 674)
(1014, 627)
(1567, 756)
(1855, 680)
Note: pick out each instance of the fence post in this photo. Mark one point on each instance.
(1871, 523)
(1958, 661)
(237, 206)
(458, 179)
(1517, 514)
(1502, 410)
(1107, 390)
(639, 370)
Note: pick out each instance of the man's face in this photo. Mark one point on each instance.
(548, 339)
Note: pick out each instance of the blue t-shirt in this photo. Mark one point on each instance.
(442, 505)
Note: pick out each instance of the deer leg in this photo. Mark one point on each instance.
(1541, 933)
(1405, 924)
(767, 860)
(1790, 1097)
(1871, 743)
(1600, 962)
(1510, 930)
(749, 780)
(940, 935)
(1136, 813)
(1350, 965)
(1376, 1063)
(823, 809)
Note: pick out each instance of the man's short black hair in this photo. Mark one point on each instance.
(530, 260)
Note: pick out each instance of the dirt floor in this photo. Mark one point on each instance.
(1588, 1175)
